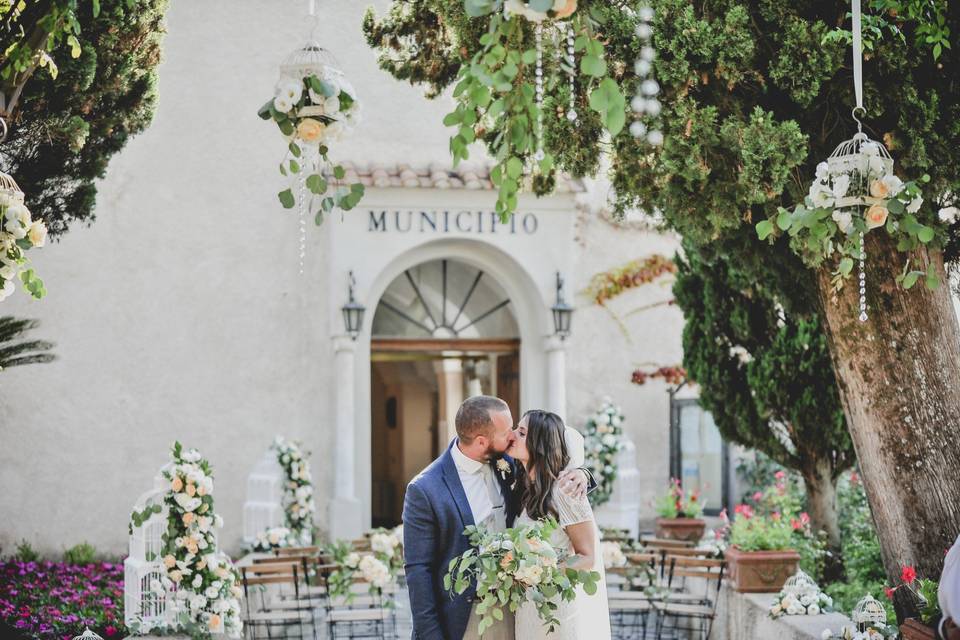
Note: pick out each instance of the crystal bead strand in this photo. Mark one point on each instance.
(303, 224)
(863, 280)
(645, 102)
(539, 154)
(572, 74)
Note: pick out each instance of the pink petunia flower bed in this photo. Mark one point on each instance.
(56, 601)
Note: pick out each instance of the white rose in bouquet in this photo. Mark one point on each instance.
(332, 105)
(807, 599)
(813, 610)
(352, 560)
(291, 90)
(795, 609)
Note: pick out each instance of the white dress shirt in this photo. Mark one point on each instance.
(473, 478)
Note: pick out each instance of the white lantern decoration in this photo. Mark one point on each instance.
(264, 506)
(145, 606)
(800, 583)
(869, 612)
(87, 635)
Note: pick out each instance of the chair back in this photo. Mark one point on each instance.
(707, 569)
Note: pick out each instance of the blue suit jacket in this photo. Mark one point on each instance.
(435, 513)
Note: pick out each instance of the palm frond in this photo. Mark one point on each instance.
(14, 351)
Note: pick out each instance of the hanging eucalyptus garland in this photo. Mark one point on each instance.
(506, 87)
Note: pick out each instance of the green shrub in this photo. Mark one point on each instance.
(82, 553)
(861, 550)
(26, 553)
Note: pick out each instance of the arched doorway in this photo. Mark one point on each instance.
(442, 331)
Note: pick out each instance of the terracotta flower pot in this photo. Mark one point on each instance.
(760, 571)
(688, 529)
(913, 629)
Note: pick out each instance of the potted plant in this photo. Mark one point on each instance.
(760, 556)
(916, 602)
(679, 514)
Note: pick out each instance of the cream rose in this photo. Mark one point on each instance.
(38, 233)
(310, 130)
(177, 484)
(564, 8)
(191, 490)
(876, 216)
(169, 561)
(188, 518)
(879, 189)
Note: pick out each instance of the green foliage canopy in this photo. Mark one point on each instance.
(67, 128)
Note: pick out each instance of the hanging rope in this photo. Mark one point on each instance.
(857, 55)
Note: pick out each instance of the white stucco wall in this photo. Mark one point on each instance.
(180, 313)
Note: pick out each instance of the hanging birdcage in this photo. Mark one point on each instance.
(869, 612)
(87, 635)
(863, 161)
(9, 187)
(800, 583)
(311, 60)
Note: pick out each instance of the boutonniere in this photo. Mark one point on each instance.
(504, 468)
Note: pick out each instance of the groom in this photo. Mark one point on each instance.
(471, 483)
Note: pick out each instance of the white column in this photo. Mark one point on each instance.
(346, 515)
(450, 386)
(556, 350)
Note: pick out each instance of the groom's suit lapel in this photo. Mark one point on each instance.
(508, 488)
(452, 479)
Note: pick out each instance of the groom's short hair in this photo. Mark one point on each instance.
(473, 417)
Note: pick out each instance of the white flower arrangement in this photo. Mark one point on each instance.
(312, 112)
(603, 431)
(19, 233)
(809, 601)
(199, 579)
(613, 555)
(379, 567)
(273, 538)
(850, 632)
(298, 500)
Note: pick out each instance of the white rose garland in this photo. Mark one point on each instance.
(603, 432)
(298, 501)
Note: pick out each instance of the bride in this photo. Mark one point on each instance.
(539, 446)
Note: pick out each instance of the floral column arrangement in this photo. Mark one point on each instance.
(200, 580)
(298, 501)
(602, 443)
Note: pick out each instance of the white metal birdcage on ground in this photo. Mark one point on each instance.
(869, 611)
(263, 508)
(622, 511)
(800, 583)
(145, 606)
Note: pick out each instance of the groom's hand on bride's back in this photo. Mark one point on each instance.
(575, 482)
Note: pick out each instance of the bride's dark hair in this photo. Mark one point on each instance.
(547, 450)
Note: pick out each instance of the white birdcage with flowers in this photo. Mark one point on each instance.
(800, 583)
(869, 612)
(145, 603)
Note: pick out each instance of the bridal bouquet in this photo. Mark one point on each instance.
(516, 565)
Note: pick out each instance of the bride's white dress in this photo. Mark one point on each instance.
(585, 616)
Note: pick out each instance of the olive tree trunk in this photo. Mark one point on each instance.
(899, 378)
